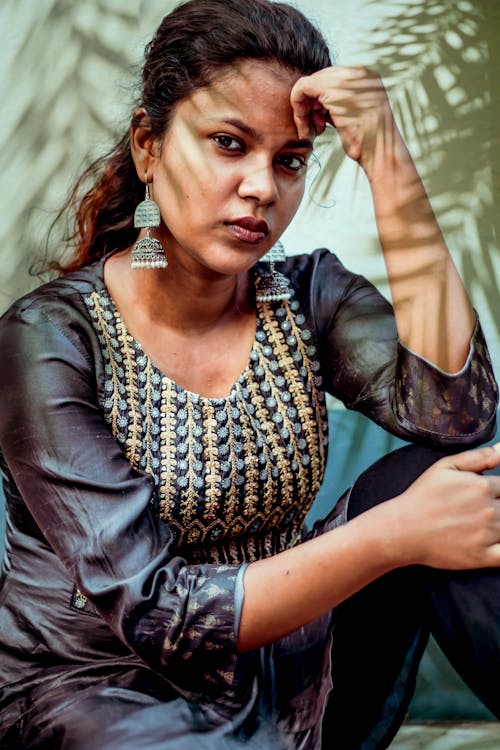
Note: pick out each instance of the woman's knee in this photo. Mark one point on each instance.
(389, 476)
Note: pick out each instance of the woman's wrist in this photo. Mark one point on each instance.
(387, 541)
(388, 160)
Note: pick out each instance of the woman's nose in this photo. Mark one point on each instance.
(259, 183)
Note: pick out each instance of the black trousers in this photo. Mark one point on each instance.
(381, 632)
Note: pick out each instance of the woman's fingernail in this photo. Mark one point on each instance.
(497, 447)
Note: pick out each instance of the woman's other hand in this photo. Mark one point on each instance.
(354, 100)
(450, 516)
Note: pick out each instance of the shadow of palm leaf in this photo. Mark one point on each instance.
(437, 60)
(436, 57)
(67, 100)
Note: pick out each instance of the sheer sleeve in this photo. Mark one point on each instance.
(93, 509)
(365, 365)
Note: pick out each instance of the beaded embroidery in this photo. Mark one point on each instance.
(235, 476)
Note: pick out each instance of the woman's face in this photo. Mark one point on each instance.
(230, 172)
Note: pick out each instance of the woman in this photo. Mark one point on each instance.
(163, 426)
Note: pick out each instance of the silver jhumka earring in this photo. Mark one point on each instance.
(148, 252)
(271, 285)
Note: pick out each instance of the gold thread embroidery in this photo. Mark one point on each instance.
(268, 446)
(168, 461)
(316, 448)
(189, 495)
(113, 414)
(251, 465)
(134, 423)
(256, 504)
(232, 496)
(296, 387)
(212, 462)
(148, 457)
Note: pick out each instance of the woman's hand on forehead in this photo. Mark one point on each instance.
(352, 99)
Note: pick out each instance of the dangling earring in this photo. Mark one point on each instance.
(271, 285)
(148, 252)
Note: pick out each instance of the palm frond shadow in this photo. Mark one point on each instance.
(440, 59)
(64, 113)
(436, 60)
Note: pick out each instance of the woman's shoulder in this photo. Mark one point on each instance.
(53, 318)
(58, 297)
(322, 283)
(305, 262)
(318, 269)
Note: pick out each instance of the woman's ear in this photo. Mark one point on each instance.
(143, 145)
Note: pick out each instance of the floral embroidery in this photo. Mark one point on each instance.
(235, 476)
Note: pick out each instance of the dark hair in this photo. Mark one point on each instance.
(192, 44)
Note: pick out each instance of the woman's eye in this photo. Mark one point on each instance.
(293, 162)
(228, 143)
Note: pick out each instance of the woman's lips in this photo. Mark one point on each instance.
(248, 229)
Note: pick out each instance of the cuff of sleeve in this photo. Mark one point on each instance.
(433, 366)
(199, 645)
(239, 595)
(451, 407)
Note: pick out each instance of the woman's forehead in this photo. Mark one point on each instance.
(253, 92)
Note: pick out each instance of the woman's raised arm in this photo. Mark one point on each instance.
(433, 313)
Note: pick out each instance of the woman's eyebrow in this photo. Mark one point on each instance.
(240, 125)
(294, 143)
(299, 143)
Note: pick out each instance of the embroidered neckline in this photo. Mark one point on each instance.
(236, 475)
(140, 351)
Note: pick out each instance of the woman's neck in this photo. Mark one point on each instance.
(176, 297)
(199, 331)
